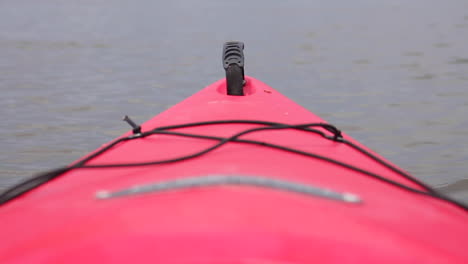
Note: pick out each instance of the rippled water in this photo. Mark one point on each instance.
(393, 74)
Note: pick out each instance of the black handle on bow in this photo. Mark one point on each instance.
(233, 63)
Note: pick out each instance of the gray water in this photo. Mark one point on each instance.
(393, 74)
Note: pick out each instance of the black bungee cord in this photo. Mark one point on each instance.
(335, 136)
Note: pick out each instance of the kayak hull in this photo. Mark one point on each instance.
(65, 220)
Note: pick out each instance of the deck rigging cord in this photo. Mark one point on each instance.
(333, 135)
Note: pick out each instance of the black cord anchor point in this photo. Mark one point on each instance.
(136, 128)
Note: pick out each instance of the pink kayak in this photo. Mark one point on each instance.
(236, 173)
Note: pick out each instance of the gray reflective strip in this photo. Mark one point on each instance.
(232, 180)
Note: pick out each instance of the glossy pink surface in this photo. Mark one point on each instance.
(63, 222)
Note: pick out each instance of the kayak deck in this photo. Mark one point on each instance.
(232, 223)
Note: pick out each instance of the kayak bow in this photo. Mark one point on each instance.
(236, 173)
